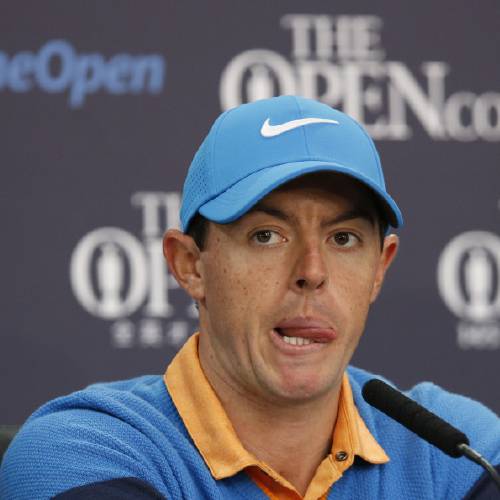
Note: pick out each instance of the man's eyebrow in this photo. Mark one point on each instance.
(354, 213)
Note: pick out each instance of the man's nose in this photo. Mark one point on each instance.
(311, 272)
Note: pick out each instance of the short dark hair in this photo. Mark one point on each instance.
(198, 230)
(198, 227)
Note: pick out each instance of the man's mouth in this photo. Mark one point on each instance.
(294, 340)
(305, 331)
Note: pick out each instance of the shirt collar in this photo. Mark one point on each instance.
(213, 434)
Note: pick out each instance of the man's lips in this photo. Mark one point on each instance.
(315, 329)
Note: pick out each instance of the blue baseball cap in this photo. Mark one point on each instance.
(254, 148)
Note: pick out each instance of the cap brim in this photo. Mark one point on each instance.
(239, 198)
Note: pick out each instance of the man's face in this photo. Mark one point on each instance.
(287, 288)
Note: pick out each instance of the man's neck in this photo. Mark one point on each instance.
(292, 440)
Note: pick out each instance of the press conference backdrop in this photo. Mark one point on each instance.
(103, 104)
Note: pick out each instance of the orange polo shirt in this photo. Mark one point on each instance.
(216, 440)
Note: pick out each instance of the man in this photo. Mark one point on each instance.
(284, 247)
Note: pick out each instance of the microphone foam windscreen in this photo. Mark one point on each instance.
(414, 417)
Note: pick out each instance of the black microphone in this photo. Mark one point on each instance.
(414, 417)
(424, 423)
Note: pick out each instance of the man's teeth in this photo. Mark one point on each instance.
(297, 340)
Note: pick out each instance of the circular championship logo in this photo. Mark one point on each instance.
(256, 74)
(469, 276)
(108, 273)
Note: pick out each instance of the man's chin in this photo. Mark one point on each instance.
(303, 388)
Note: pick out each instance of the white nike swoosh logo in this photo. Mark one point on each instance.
(269, 130)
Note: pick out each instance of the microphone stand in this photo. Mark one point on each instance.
(476, 457)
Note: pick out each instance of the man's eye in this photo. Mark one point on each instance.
(266, 237)
(345, 239)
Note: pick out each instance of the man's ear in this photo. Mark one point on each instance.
(389, 251)
(183, 258)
